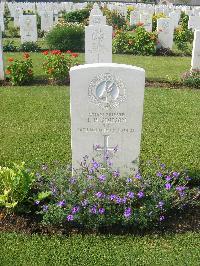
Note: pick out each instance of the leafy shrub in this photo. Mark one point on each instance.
(141, 42)
(13, 32)
(20, 72)
(155, 18)
(9, 46)
(66, 36)
(192, 78)
(15, 184)
(98, 195)
(58, 64)
(29, 47)
(183, 35)
(79, 16)
(114, 19)
(129, 9)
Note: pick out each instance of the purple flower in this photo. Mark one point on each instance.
(162, 165)
(176, 174)
(101, 210)
(102, 178)
(140, 194)
(168, 186)
(73, 180)
(129, 180)
(116, 173)
(118, 200)
(84, 203)
(37, 202)
(95, 164)
(159, 174)
(180, 188)
(93, 210)
(127, 213)
(75, 209)
(168, 178)
(160, 204)
(70, 217)
(124, 200)
(61, 203)
(130, 194)
(162, 218)
(113, 197)
(89, 177)
(45, 208)
(138, 176)
(187, 178)
(99, 194)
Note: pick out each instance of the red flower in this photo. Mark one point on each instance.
(26, 55)
(8, 72)
(74, 55)
(56, 52)
(45, 52)
(10, 59)
(69, 52)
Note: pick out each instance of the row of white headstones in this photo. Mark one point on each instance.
(107, 101)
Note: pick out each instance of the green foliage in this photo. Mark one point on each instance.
(79, 16)
(183, 36)
(192, 78)
(155, 18)
(66, 36)
(13, 32)
(114, 19)
(9, 46)
(141, 42)
(29, 47)
(20, 72)
(15, 184)
(58, 64)
(98, 195)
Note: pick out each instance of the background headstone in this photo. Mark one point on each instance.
(28, 28)
(165, 31)
(196, 51)
(1, 58)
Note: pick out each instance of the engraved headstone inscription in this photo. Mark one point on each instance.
(107, 115)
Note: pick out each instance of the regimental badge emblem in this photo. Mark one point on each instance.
(107, 91)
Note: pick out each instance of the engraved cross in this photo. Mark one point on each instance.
(105, 148)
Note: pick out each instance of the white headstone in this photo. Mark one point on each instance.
(165, 31)
(196, 51)
(1, 58)
(134, 17)
(98, 39)
(28, 28)
(2, 21)
(194, 23)
(107, 114)
(146, 19)
(46, 20)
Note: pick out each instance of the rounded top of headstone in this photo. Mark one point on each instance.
(95, 10)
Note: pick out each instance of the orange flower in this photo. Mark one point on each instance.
(74, 55)
(10, 59)
(8, 72)
(140, 24)
(69, 52)
(56, 52)
(50, 70)
(45, 52)
(26, 55)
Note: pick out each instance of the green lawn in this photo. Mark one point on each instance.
(91, 250)
(35, 126)
(158, 68)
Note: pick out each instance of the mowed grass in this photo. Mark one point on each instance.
(35, 126)
(158, 68)
(18, 249)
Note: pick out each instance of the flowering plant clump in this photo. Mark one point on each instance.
(98, 195)
(57, 64)
(192, 78)
(20, 72)
(139, 42)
